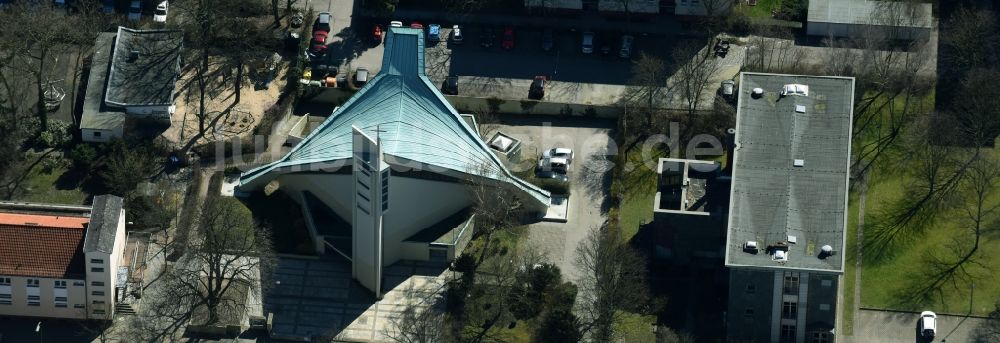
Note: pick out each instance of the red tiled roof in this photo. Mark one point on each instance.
(54, 250)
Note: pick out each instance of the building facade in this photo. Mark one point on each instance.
(61, 261)
(386, 177)
(870, 19)
(133, 77)
(788, 207)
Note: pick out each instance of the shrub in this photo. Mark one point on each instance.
(83, 156)
(56, 134)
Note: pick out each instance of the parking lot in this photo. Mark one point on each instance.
(588, 174)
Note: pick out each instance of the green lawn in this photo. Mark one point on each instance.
(639, 189)
(55, 185)
(637, 328)
(763, 8)
(886, 283)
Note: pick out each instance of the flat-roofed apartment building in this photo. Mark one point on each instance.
(60, 261)
(788, 206)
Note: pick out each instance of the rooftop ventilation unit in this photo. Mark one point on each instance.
(757, 92)
(750, 247)
(780, 256)
(133, 55)
(792, 239)
(825, 251)
(795, 89)
(799, 163)
(800, 108)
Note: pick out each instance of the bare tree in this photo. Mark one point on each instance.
(695, 69)
(495, 209)
(772, 49)
(421, 321)
(647, 85)
(231, 258)
(613, 282)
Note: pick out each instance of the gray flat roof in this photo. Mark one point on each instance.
(95, 115)
(149, 77)
(771, 198)
(889, 13)
(103, 224)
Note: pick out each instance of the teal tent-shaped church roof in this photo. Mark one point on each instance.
(414, 123)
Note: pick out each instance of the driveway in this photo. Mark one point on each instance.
(901, 327)
(588, 175)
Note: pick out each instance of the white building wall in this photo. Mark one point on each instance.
(100, 136)
(18, 288)
(416, 204)
(102, 271)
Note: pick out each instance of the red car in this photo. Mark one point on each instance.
(317, 48)
(508, 38)
(416, 25)
(378, 34)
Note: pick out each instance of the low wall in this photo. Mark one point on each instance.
(466, 104)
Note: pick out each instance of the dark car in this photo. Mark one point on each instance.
(548, 42)
(487, 37)
(450, 85)
(508, 38)
(537, 90)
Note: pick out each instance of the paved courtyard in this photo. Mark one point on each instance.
(316, 298)
(588, 179)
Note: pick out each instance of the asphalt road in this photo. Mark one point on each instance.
(901, 327)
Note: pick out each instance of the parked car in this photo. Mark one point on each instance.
(548, 42)
(928, 325)
(588, 42)
(377, 34)
(434, 33)
(564, 153)
(552, 164)
(537, 89)
(508, 38)
(728, 88)
(396, 23)
(416, 25)
(487, 36)
(160, 14)
(361, 76)
(450, 85)
(135, 10)
(317, 46)
(322, 22)
(551, 174)
(456, 35)
(626, 49)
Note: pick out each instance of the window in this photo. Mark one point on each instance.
(61, 299)
(98, 293)
(98, 311)
(751, 288)
(97, 134)
(78, 283)
(60, 284)
(97, 283)
(5, 302)
(97, 302)
(788, 333)
(822, 337)
(97, 260)
(79, 306)
(5, 281)
(789, 310)
(791, 284)
(385, 189)
(34, 297)
(97, 270)
(62, 305)
(748, 312)
(4, 296)
(32, 282)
